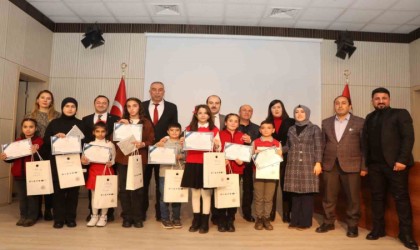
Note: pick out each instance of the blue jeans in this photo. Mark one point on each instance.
(164, 207)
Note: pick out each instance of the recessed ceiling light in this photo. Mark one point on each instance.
(286, 13)
(167, 10)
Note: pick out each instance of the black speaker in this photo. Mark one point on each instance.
(345, 45)
(93, 37)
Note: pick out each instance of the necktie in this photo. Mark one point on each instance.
(155, 114)
(99, 118)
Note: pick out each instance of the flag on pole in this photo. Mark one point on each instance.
(119, 101)
(346, 92)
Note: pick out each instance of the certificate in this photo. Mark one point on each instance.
(75, 131)
(17, 149)
(97, 154)
(66, 145)
(122, 131)
(200, 141)
(162, 155)
(235, 151)
(267, 158)
(126, 145)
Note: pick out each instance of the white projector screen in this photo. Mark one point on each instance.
(240, 69)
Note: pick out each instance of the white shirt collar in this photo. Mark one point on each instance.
(205, 125)
(346, 118)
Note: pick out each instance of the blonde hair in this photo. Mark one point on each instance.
(51, 110)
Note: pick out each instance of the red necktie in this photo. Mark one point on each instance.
(155, 114)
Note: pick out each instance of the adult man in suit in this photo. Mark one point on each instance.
(161, 113)
(388, 138)
(101, 104)
(342, 163)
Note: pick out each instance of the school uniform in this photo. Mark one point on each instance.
(96, 169)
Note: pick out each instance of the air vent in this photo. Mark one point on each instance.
(285, 13)
(167, 10)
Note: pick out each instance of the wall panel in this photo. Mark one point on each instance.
(4, 16)
(16, 33)
(117, 50)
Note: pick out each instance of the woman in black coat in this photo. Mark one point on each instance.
(277, 114)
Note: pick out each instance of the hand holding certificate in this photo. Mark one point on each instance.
(97, 154)
(17, 149)
(127, 145)
(200, 141)
(235, 151)
(65, 145)
(162, 155)
(267, 158)
(123, 131)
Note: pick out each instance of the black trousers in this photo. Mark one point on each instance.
(247, 190)
(381, 178)
(131, 200)
(286, 196)
(65, 203)
(302, 209)
(226, 214)
(28, 205)
(147, 176)
(48, 202)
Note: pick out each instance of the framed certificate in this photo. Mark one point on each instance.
(235, 151)
(97, 154)
(266, 158)
(66, 145)
(200, 141)
(17, 149)
(122, 131)
(162, 155)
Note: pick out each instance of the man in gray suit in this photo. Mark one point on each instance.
(214, 102)
(342, 163)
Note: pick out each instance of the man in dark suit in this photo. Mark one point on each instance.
(214, 102)
(101, 104)
(342, 163)
(161, 113)
(388, 138)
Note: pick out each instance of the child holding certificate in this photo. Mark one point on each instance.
(264, 188)
(232, 135)
(193, 174)
(28, 205)
(174, 132)
(99, 131)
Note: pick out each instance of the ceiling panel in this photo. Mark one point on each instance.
(373, 27)
(346, 26)
(331, 3)
(321, 14)
(289, 3)
(373, 4)
(241, 21)
(127, 9)
(66, 19)
(312, 24)
(133, 19)
(407, 5)
(53, 8)
(244, 10)
(353, 15)
(403, 29)
(99, 19)
(205, 20)
(395, 17)
(205, 9)
(89, 9)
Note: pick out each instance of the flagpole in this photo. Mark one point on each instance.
(123, 68)
(347, 73)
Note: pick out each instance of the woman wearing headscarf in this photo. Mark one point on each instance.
(304, 148)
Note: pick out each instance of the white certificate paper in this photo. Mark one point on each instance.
(200, 141)
(127, 146)
(122, 131)
(17, 149)
(235, 151)
(97, 154)
(75, 131)
(162, 155)
(267, 157)
(66, 145)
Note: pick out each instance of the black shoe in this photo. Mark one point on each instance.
(325, 228)
(286, 217)
(204, 227)
(48, 216)
(374, 235)
(126, 223)
(138, 224)
(58, 225)
(88, 217)
(214, 220)
(249, 218)
(110, 218)
(195, 226)
(352, 232)
(230, 227)
(221, 227)
(408, 241)
(71, 223)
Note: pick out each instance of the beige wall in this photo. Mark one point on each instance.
(415, 92)
(25, 46)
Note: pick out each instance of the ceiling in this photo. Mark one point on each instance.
(388, 16)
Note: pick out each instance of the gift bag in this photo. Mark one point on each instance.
(173, 192)
(106, 191)
(38, 177)
(271, 172)
(69, 170)
(228, 196)
(134, 172)
(214, 170)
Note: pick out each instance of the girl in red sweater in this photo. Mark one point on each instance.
(28, 205)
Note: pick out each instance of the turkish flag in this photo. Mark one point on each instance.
(119, 101)
(346, 92)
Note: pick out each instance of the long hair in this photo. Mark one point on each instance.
(194, 120)
(22, 135)
(126, 115)
(270, 116)
(51, 109)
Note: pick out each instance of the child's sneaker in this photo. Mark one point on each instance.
(102, 221)
(93, 220)
(167, 224)
(177, 224)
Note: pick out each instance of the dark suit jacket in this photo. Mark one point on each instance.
(222, 121)
(169, 115)
(348, 150)
(88, 125)
(281, 135)
(397, 137)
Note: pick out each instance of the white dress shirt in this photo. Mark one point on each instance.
(103, 117)
(160, 108)
(340, 126)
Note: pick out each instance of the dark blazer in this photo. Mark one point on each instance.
(169, 115)
(222, 121)
(281, 135)
(397, 137)
(348, 150)
(88, 125)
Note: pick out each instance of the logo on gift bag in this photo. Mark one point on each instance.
(43, 187)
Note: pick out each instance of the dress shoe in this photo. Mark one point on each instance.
(374, 235)
(20, 221)
(352, 232)
(408, 241)
(325, 228)
(214, 220)
(230, 227)
(71, 223)
(138, 224)
(58, 225)
(249, 218)
(127, 223)
(29, 223)
(195, 223)
(111, 218)
(286, 217)
(259, 224)
(221, 227)
(204, 226)
(48, 216)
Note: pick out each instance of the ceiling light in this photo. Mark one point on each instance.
(286, 13)
(167, 10)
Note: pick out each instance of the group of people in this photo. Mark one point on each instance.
(346, 148)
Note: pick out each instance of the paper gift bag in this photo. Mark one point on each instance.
(228, 196)
(106, 191)
(271, 172)
(214, 170)
(69, 169)
(39, 178)
(134, 173)
(173, 192)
